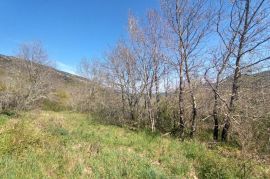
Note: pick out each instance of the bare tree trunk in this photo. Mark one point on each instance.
(234, 98)
(224, 135)
(156, 79)
(194, 104)
(215, 90)
(132, 115)
(194, 115)
(181, 101)
(150, 109)
(215, 115)
(123, 101)
(235, 86)
(237, 72)
(166, 81)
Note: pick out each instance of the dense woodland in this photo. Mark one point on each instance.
(191, 69)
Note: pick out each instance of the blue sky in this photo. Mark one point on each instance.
(69, 29)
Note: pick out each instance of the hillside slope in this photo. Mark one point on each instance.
(62, 87)
(42, 144)
(8, 66)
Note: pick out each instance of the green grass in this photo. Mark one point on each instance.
(3, 119)
(70, 145)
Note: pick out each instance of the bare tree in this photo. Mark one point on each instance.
(218, 76)
(33, 74)
(91, 86)
(247, 30)
(123, 73)
(147, 41)
(189, 22)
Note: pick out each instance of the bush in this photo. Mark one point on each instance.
(9, 113)
(62, 95)
(166, 117)
(3, 119)
(55, 106)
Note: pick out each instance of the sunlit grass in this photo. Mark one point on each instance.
(70, 145)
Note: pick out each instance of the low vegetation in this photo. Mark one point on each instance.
(71, 145)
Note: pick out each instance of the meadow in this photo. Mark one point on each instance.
(43, 144)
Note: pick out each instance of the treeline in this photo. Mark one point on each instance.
(188, 66)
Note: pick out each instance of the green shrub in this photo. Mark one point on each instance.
(62, 95)
(166, 117)
(3, 119)
(9, 113)
(55, 106)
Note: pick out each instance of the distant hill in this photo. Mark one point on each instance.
(8, 65)
(249, 80)
(65, 87)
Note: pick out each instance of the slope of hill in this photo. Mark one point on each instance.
(8, 65)
(42, 144)
(62, 86)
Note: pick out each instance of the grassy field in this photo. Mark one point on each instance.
(43, 144)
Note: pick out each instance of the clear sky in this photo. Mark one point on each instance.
(69, 29)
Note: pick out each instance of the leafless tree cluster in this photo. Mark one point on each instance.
(190, 63)
(244, 42)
